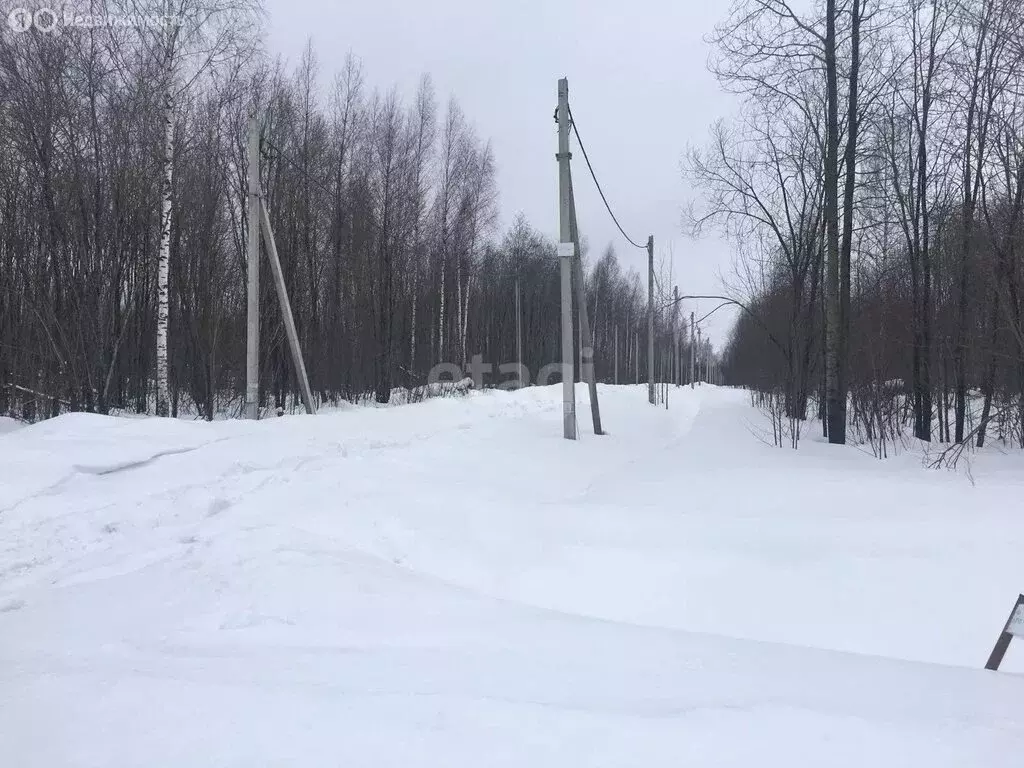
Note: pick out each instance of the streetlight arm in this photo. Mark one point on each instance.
(727, 301)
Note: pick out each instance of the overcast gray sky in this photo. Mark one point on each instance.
(638, 85)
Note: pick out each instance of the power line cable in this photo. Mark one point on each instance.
(709, 314)
(575, 130)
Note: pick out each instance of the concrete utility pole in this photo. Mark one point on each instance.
(258, 220)
(286, 310)
(566, 251)
(650, 319)
(692, 350)
(252, 287)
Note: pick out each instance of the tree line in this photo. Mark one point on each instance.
(123, 227)
(873, 183)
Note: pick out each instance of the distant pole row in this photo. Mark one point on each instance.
(569, 251)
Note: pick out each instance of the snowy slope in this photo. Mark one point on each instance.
(452, 584)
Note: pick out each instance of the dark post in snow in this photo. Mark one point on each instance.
(1014, 627)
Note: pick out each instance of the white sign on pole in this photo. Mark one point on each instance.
(1016, 625)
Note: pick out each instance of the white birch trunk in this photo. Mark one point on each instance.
(163, 262)
(465, 315)
(458, 306)
(460, 313)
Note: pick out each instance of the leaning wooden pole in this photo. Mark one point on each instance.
(286, 310)
(586, 339)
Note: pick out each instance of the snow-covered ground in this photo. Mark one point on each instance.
(453, 584)
(7, 424)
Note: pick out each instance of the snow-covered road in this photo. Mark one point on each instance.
(453, 584)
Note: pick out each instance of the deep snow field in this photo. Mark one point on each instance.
(452, 584)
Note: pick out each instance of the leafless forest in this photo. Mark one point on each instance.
(122, 227)
(873, 183)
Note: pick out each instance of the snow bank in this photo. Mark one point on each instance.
(453, 584)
